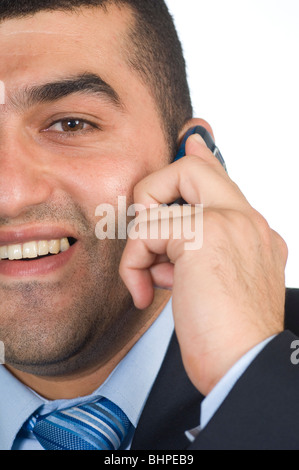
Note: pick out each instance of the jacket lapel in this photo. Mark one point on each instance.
(172, 408)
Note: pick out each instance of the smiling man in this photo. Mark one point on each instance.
(96, 102)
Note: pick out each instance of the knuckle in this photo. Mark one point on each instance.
(281, 246)
(284, 250)
(142, 191)
(138, 189)
(214, 223)
(213, 217)
(262, 227)
(270, 237)
(240, 221)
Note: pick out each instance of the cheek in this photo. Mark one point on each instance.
(90, 182)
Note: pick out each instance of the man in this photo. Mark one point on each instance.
(96, 102)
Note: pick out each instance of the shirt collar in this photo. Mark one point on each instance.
(128, 385)
(17, 403)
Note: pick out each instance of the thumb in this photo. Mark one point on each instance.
(195, 145)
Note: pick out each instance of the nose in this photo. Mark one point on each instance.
(23, 180)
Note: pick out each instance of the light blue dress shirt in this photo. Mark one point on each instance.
(128, 386)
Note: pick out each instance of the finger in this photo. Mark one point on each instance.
(162, 275)
(197, 178)
(138, 257)
(195, 145)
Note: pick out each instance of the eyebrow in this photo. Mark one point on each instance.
(87, 83)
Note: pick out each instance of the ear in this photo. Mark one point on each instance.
(193, 123)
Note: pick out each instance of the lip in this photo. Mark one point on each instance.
(36, 267)
(22, 235)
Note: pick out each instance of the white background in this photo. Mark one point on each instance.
(243, 68)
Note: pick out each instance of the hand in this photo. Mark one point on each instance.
(229, 295)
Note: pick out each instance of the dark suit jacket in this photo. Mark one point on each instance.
(261, 412)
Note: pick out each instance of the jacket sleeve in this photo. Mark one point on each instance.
(262, 410)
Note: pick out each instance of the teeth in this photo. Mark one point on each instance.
(43, 248)
(54, 247)
(30, 250)
(64, 244)
(15, 252)
(3, 252)
(34, 249)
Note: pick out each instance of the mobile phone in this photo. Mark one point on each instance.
(208, 140)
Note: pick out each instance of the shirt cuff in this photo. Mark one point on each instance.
(216, 397)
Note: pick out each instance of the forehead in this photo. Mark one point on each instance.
(47, 44)
(50, 47)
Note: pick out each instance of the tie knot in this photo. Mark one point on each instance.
(101, 425)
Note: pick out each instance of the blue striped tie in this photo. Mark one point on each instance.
(101, 425)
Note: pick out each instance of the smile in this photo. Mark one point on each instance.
(35, 249)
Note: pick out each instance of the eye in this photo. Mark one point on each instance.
(71, 126)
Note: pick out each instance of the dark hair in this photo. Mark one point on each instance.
(154, 51)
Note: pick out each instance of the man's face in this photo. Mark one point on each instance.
(62, 153)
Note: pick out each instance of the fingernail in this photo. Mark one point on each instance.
(197, 138)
